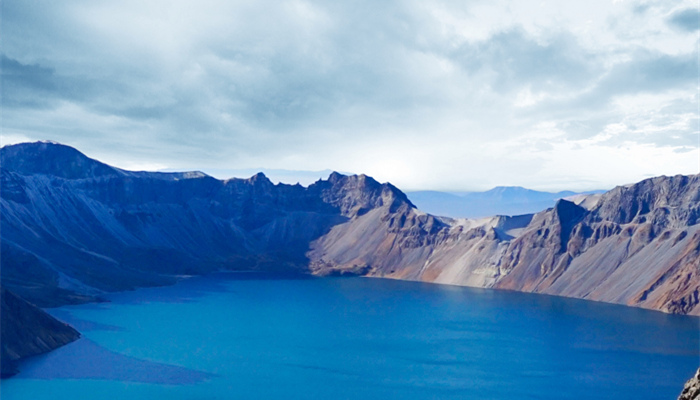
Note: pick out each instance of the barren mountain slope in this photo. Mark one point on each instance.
(640, 246)
(74, 228)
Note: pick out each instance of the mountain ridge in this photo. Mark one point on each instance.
(113, 221)
(74, 228)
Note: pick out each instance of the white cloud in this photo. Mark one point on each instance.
(425, 94)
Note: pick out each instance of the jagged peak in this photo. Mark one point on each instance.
(678, 195)
(335, 176)
(361, 181)
(400, 194)
(260, 178)
(567, 211)
(563, 204)
(355, 194)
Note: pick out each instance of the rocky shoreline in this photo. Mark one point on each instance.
(691, 390)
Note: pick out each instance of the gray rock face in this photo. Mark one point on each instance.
(691, 390)
(28, 331)
(639, 246)
(88, 228)
(74, 228)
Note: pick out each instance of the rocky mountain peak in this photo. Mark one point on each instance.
(334, 177)
(666, 201)
(357, 194)
(260, 179)
(643, 236)
(52, 159)
(568, 212)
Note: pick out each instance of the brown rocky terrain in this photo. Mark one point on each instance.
(74, 228)
(638, 245)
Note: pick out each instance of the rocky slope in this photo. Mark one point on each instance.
(637, 245)
(27, 331)
(691, 390)
(74, 228)
(640, 245)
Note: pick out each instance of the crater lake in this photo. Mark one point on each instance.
(262, 336)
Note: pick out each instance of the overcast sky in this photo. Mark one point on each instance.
(446, 95)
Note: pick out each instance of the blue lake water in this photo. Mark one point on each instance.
(255, 336)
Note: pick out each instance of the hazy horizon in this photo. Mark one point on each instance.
(306, 178)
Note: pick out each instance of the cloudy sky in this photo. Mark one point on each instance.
(446, 95)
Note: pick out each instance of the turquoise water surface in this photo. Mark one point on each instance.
(256, 336)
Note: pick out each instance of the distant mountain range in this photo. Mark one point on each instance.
(74, 228)
(501, 200)
(287, 176)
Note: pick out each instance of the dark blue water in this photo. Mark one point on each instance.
(251, 336)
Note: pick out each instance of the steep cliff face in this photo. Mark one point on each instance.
(28, 331)
(640, 245)
(637, 245)
(89, 228)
